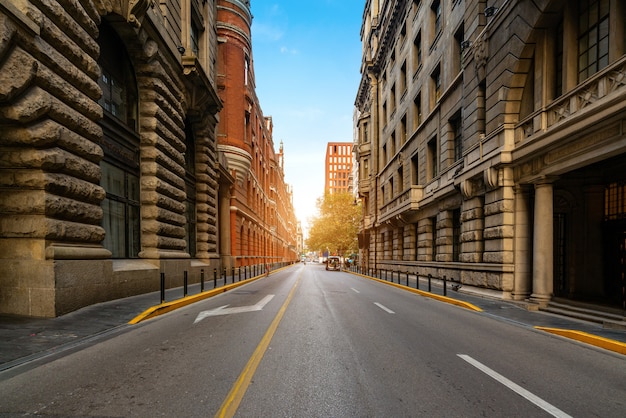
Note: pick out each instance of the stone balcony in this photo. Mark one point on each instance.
(405, 202)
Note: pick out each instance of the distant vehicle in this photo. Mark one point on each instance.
(333, 263)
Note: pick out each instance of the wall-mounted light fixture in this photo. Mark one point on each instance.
(181, 49)
(465, 45)
(490, 11)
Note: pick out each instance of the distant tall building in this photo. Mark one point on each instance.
(338, 167)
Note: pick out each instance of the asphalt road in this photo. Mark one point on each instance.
(305, 342)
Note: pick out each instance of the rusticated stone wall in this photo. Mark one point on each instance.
(50, 149)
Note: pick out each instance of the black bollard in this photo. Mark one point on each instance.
(214, 278)
(162, 287)
(201, 280)
(407, 279)
(445, 286)
(185, 281)
(430, 276)
(232, 273)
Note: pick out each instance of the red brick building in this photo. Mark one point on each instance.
(338, 168)
(262, 225)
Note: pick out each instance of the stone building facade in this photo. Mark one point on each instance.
(491, 145)
(262, 224)
(110, 172)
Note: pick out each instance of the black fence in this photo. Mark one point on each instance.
(415, 280)
(217, 278)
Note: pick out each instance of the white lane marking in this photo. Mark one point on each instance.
(549, 408)
(384, 308)
(224, 310)
(355, 291)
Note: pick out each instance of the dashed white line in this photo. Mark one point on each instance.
(355, 291)
(549, 408)
(384, 308)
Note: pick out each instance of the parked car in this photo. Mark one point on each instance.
(333, 263)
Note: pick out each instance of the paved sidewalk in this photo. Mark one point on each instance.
(26, 339)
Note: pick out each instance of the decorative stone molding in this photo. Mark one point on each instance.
(481, 55)
(491, 178)
(132, 10)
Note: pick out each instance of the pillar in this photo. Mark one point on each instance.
(543, 244)
(522, 282)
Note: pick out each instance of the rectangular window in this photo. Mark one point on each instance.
(120, 211)
(403, 83)
(400, 180)
(417, 111)
(403, 130)
(194, 38)
(593, 37)
(415, 172)
(417, 52)
(436, 17)
(615, 202)
(436, 86)
(432, 159)
(456, 132)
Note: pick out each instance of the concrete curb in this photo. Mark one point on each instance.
(607, 344)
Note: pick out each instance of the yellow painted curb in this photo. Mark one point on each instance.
(166, 307)
(440, 298)
(606, 343)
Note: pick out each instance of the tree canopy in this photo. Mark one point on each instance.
(336, 225)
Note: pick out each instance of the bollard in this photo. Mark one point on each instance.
(417, 280)
(430, 276)
(224, 276)
(214, 278)
(407, 279)
(162, 287)
(232, 273)
(201, 280)
(239, 274)
(185, 281)
(445, 286)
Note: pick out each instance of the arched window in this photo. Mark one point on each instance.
(120, 166)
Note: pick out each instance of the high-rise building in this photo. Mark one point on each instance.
(491, 145)
(338, 168)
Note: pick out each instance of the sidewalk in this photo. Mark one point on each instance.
(26, 339)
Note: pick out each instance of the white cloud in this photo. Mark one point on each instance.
(285, 50)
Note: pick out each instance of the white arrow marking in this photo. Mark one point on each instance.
(225, 310)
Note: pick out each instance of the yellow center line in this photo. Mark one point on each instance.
(232, 401)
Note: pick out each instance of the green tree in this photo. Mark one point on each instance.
(336, 225)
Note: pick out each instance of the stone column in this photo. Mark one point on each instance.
(543, 244)
(522, 282)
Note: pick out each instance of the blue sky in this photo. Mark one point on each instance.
(306, 56)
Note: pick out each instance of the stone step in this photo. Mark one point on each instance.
(609, 320)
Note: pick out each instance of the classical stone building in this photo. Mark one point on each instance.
(262, 224)
(491, 143)
(110, 172)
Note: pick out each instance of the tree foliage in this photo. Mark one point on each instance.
(336, 225)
